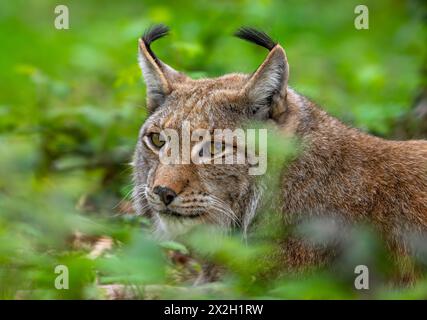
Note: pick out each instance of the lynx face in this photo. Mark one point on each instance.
(179, 196)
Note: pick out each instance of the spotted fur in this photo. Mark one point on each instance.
(341, 171)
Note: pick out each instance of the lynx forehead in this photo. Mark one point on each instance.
(341, 171)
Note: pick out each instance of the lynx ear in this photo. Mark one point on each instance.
(159, 77)
(270, 80)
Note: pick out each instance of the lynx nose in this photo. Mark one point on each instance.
(166, 194)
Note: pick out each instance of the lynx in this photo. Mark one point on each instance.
(342, 171)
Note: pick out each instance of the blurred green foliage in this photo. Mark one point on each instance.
(72, 102)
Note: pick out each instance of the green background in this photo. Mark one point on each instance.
(72, 101)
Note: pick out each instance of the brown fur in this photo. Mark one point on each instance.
(356, 176)
(341, 171)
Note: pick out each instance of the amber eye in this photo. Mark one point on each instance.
(217, 148)
(156, 141)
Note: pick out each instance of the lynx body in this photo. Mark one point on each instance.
(341, 171)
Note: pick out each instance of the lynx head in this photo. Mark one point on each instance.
(180, 195)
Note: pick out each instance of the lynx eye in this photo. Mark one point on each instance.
(155, 140)
(213, 149)
(217, 148)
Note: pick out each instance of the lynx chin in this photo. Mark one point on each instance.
(341, 171)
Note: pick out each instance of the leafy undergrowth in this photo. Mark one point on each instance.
(47, 224)
(71, 105)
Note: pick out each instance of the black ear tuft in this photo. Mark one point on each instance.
(255, 36)
(152, 34)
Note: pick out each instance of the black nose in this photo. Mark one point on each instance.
(166, 194)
